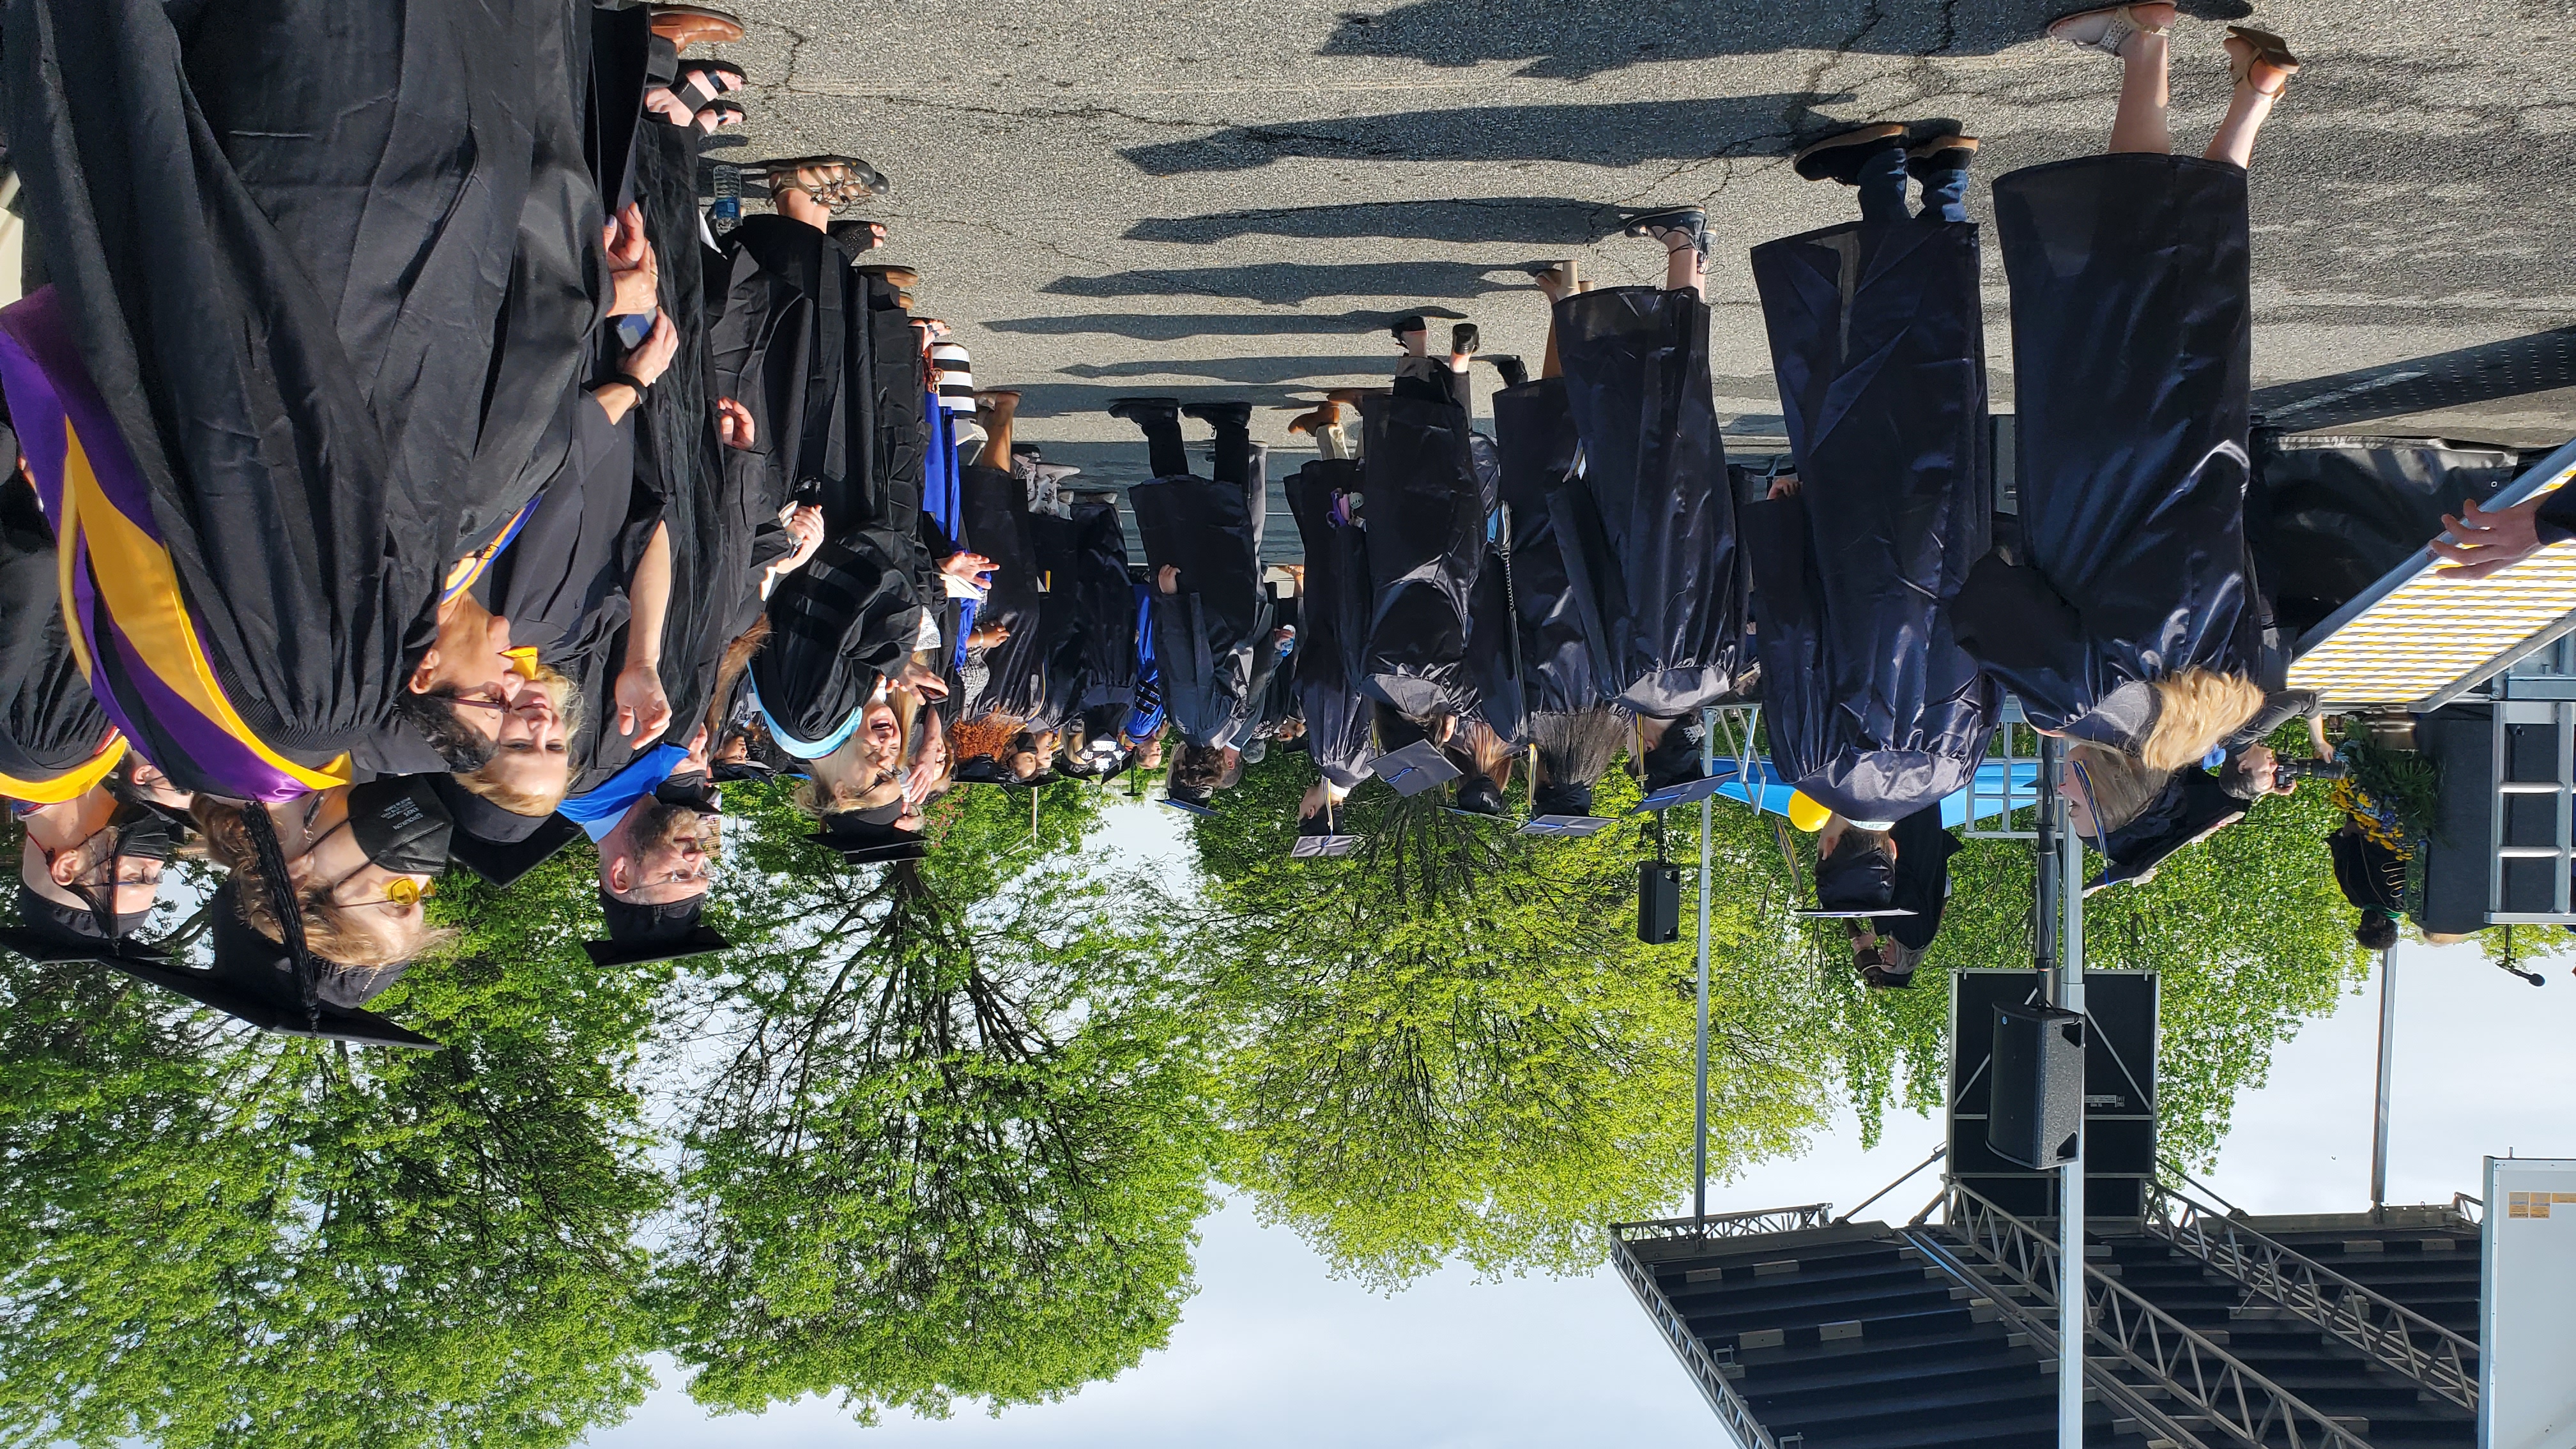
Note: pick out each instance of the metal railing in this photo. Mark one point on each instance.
(2468, 1209)
(1725, 1225)
(2223, 1394)
(2120, 1396)
(1697, 1361)
(2390, 1334)
(1985, 800)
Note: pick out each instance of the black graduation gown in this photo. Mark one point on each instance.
(331, 264)
(996, 507)
(1034, 676)
(2327, 517)
(1922, 878)
(1205, 635)
(1104, 606)
(1425, 513)
(2132, 356)
(1331, 622)
(720, 540)
(1648, 531)
(1877, 340)
(49, 722)
(1537, 445)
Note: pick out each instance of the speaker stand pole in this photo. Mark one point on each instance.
(2066, 988)
(1699, 1117)
(2387, 1059)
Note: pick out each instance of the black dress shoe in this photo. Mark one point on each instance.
(1221, 414)
(1465, 340)
(1840, 157)
(1138, 409)
(1513, 370)
(1415, 323)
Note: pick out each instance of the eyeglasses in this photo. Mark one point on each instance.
(402, 890)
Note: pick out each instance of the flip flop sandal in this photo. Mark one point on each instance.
(701, 81)
(1688, 220)
(715, 116)
(2117, 25)
(813, 175)
(856, 236)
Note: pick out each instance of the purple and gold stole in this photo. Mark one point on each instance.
(119, 585)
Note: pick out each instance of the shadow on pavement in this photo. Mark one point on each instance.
(1292, 283)
(1529, 221)
(1572, 39)
(1179, 326)
(1624, 133)
(1379, 366)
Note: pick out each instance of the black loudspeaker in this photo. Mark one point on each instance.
(2038, 1089)
(1659, 902)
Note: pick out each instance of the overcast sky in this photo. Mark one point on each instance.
(1274, 1352)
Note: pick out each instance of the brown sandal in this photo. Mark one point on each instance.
(2260, 48)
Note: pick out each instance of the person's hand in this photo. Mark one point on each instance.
(986, 638)
(697, 758)
(643, 710)
(921, 680)
(805, 525)
(1784, 486)
(2489, 542)
(634, 272)
(963, 567)
(1168, 578)
(652, 356)
(733, 424)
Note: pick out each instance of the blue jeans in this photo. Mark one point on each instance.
(1882, 189)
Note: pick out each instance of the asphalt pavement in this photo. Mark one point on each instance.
(1230, 199)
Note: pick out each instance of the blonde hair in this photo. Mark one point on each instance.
(331, 933)
(2121, 786)
(2195, 710)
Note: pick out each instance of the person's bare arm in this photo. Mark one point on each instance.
(643, 709)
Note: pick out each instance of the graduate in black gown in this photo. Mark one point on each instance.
(1331, 624)
(1202, 541)
(295, 402)
(1877, 339)
(1648, 529)
(1424, 510)
(1565, 717)
(2130, 617)
(827, 363)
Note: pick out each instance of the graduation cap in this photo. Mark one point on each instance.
(727, 771)
(870, 836)
(1565, 827)
(1855, 882)
(1319, 836)
(1688, 792)
(1416, 768)
(499, 845)
(1479, 797)
(2192, 807)
(697, 940)
(252, 978)
(638, 934)
(1195, 807)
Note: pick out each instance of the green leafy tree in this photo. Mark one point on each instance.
(207, 1234)
(956, 1142)
(1451, 1044)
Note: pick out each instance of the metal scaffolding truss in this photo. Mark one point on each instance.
(2223, 1396)
(1702, 1366)
(1725, 1225)
(2393, 1336)
(2124, 1399)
